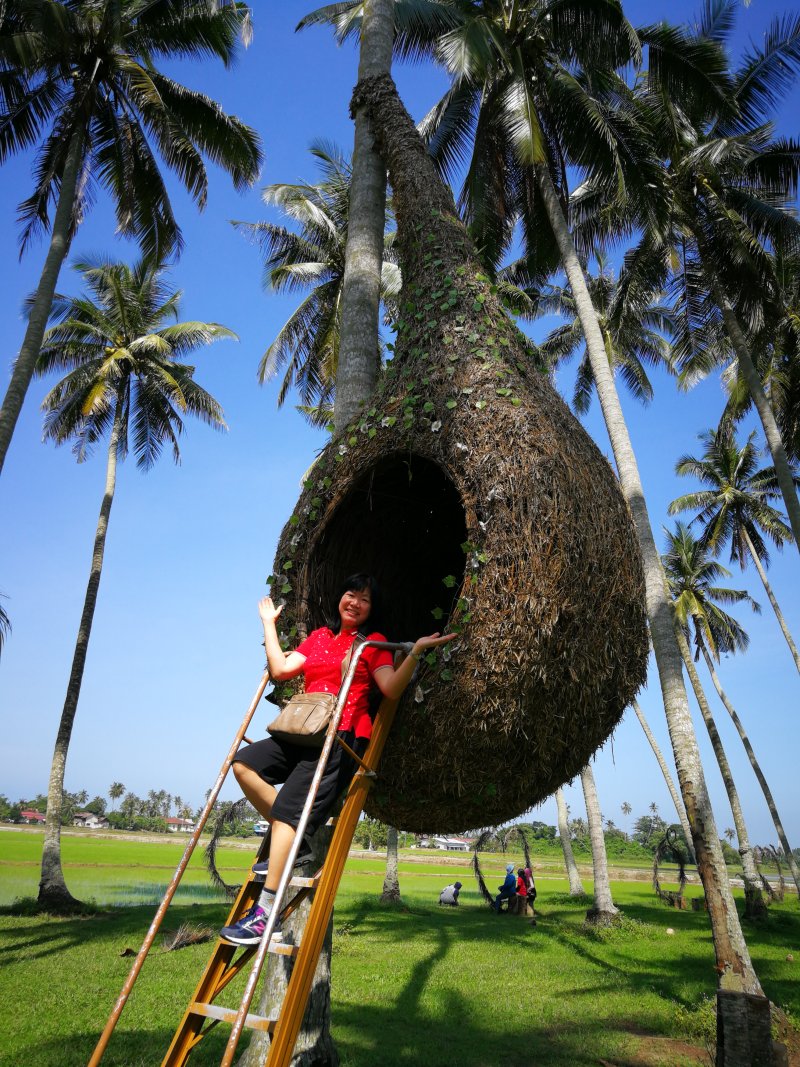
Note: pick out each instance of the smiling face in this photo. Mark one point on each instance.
(354, 608)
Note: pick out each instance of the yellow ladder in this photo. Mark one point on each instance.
(202, 1014)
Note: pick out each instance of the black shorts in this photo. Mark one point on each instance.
(293, 767)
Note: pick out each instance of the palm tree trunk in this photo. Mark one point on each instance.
(783, 471)
(762, 781)
(734, 965)
(753, 895)
(25, 363)
(575, 884)
(53, 892)
(772, 598)
(673, 792)
(358, 340)
(391, 883)
(604, 909)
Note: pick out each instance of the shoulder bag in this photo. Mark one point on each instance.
(305, 718)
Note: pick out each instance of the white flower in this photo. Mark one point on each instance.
(436, 426)
(342, 449)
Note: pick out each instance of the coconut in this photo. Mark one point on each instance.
(471, 492)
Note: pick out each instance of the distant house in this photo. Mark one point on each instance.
(450, 844)
(89, 820)
(31, 816)
(260, 827)
(183, 826)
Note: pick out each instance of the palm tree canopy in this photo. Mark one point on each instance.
(692, 575)
(120, 345)
(632, 321)
(309, 258)
(736, 498)
(533, 83)
(86, 69)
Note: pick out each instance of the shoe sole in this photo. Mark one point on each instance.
(276, 936)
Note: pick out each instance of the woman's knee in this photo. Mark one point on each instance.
(241, 772)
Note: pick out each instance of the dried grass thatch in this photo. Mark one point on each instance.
(477, 499)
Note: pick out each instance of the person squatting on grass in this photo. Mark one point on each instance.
(507, 890)
(260, 767)
(449, 895)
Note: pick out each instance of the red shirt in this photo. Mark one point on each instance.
(522, 886)
(324, 652)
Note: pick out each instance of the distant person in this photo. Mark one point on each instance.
(449, 895)
(508, 889)
(520, 904)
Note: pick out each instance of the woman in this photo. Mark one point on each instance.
(263, 765)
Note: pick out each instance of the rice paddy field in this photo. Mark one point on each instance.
(413, 984)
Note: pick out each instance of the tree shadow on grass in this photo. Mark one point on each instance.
(127, 1048)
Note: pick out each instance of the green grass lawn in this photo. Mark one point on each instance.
(416, 984)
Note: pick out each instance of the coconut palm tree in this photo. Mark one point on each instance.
(735, 504)
(632, 320)
(307, 346)
(729, 188)
(533, 88)
(121, 345)
(604, 910)
(79, 81)
(115, 791)
(575, 884)
(662, 763)
(692, 574)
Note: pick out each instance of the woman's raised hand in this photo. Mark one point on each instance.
(267, 610)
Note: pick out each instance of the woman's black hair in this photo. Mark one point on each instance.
(356, 583)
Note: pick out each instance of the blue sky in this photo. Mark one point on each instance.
(175, 654)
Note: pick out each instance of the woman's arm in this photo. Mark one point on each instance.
(392, 683)
(282, 665)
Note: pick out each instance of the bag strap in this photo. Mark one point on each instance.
(359, 639)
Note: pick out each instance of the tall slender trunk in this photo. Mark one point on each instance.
(762, 574)
(575, 884)
(25, 363)
(734, 966)
(391, 882)
(755, 387)
(358, 340)
(604, 908)
(53, 892)
(762, 781)
(754, 896)
(673, 792)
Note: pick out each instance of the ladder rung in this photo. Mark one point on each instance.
(228, 1015)
(278, 948)
(305, 883)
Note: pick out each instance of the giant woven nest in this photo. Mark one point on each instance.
(477, 499)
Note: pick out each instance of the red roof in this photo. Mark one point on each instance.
(37, 815)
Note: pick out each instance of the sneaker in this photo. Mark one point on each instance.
(303, 856)
(250, 928)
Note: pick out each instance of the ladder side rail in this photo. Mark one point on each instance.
(173, 885)
(330, 737)
(288, 1024)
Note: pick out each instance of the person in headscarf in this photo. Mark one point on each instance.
(508, 890)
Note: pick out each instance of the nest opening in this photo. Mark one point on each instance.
(403, 521)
